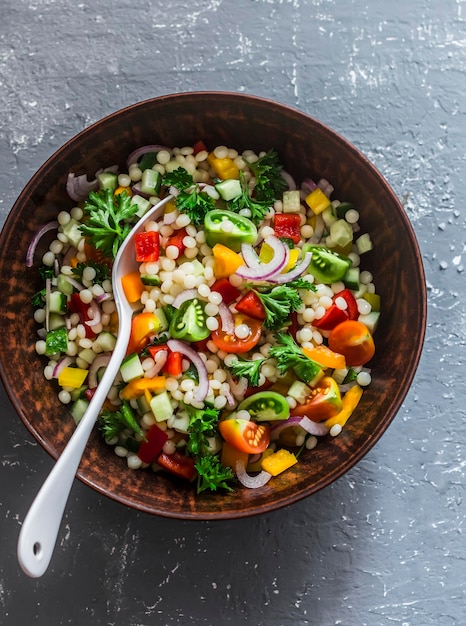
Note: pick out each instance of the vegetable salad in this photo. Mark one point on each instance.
(253, 324)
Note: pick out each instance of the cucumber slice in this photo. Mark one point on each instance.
(106, 341)
(370, 320)
(107, 180)
(351, 278)
(341, 233)
(57, 303)
(56, 321)
(364, 243)
(72, 231)
(161, 407)
(151, 182)
(299, 391)
(64, 285)
(78, 409)
(142, 203)
(291, 201)
(229, 189)
(151, 280)
(131, 368)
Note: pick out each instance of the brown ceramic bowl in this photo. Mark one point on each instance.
(306, 148)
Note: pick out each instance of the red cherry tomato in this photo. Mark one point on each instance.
(232, 343)
(324, 402)
(244, 435)
(250, 304)
(354, 341)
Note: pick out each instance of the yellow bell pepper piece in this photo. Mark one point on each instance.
(226, 262)
(278, 462)
(132, 286)
(349, 402)
(170, 207)
(138, 386)
(224, 168)
(317, 201)
(72, 377)
(266, 255)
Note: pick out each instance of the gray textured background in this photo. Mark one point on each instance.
(384, 544)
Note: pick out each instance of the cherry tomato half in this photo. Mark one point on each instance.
(232, 343)
(245, 435)
(324, 402)
(354, 340)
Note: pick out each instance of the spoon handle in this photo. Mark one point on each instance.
(40, 528)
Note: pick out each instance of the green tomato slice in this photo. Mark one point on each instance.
(189, 321)
(326, 266)
(266, 406)
(229, 229)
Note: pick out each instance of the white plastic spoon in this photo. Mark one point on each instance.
(40, 528)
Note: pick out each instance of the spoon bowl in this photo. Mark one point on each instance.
(40, 528)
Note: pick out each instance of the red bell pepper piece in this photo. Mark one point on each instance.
(199, 146)
(288, 226)
(228, 292)
(76, 305)
(147, 246)
(250, 304)
(173, 366)
(177, 240)
(153, 350)
(178, 464)
(152, 447)
(333, 316)
(294, 326)
(201, 346)
(352, 309)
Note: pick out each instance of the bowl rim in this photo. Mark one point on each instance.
(368, 442)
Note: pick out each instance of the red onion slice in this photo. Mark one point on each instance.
(48, 291)
(94, 313)
(252, 482)
(226, 317)
(35, 240)
(139, 152)
(313, 428)
(237, 388)
(265, 270)
(170, 217)
(202, 389)
(76, 284)
(100, 361)
(60, 366)
(299, 269)
(288, 178)
(188, 294)
(78, 187)
(159, 360)
(249, 255)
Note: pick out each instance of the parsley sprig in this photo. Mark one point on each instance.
(280, 301)
(107, 221)
(290, 356)
(111, 423)
(191, 200)
(258, 209)
(212, 475)
(242, 368)
(269, 182)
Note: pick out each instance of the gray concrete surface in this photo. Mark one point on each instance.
(383, 545)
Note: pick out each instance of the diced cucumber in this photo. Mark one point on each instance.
(56, 341)
(77, 393)
(151, 182)
(329, 216)
(291, 201)
(198, 268)
(56, 321)
(106, 341)
(340, 375)
(341, 208)
(161, 407)
(64, 285)
(151, 280)
(87, 355)
(364, 243)
(299, 391)
(131, 368)
(78, 408)
(57, 303)
(229, 189)
(72, 231)
(160, 313)
(142, 404)
(370, 320)
(107, 180)
(214, 445)
(351, 278)
(341, 233)
(179, 422)
(142, 203)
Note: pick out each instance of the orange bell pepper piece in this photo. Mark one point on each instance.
(142, 327)
(132, 286)
(138, 386)
(226, 262)
(326, 357)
